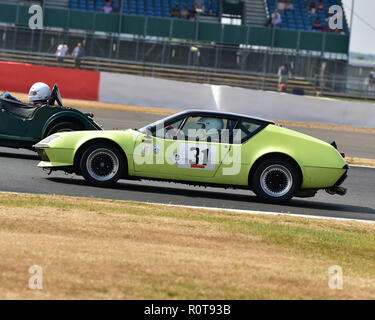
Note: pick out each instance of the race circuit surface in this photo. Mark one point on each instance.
(20, 174)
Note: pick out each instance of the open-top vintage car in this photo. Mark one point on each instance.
(24, 124)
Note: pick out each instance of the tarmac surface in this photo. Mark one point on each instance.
(20, 174)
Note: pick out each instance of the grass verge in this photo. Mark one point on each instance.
(360, 161)
(98, 249)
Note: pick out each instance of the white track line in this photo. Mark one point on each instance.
(359, 166)
(254, 212)
(259, 212)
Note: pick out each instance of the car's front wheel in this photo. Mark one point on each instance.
(102, 164)
(64, 127)
(275, 180)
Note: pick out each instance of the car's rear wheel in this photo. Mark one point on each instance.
(102, 164)
(275, 180)
(64, 127)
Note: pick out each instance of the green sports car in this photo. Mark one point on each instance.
(24, 124)
(203, 148)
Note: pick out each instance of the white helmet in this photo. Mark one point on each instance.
(211, 123)
(39, 91)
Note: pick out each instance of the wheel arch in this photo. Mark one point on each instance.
(275, 155)
(88, 143)
(62, 118)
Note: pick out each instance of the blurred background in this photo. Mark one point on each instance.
(223, 42)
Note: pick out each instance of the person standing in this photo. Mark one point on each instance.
(284, 75)
(78, 53)
(61, 52)
(371, 83)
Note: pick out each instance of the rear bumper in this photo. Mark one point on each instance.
(341, 180)
(336, 189)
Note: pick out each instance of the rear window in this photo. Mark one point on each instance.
(248, 129)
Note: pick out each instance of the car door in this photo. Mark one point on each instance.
(189, 152)
(13, 123)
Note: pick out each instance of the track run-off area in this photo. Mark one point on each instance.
(19, 173)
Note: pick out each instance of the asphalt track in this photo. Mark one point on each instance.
(20, 174)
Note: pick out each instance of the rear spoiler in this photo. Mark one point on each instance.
(333, 144)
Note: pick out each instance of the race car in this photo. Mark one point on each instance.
(24, 124)
(203, 148)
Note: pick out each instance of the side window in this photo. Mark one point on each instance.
(248, 129)
(206, 128)
(171, 129)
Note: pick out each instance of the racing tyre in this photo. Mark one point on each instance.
(64, 127)
(275, 180)
(102, 164)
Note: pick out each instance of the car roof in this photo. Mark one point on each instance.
(224, 114)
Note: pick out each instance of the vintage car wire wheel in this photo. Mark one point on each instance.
(276, 180)
(102, 164)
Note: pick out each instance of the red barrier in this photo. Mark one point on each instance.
(74, 84)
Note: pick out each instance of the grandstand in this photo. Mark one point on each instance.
(300, 18)
(255, 14)
(153, 8)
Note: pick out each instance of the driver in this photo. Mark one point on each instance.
(210, 127)
(39, 94)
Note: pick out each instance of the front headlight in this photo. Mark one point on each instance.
(46, 141)
(50, 138)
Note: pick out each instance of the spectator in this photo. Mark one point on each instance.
(116, 7)
(78, 53)
(311, 6)
(320, 6)
(199, 6)
(275, 19)
(107, 8)
(61, 52)
(281, 5)
(339, 31)
(284, 75)
(289, 5)
(192, 13)
(184, 13)
(317, 25)
(175, 12)
(371, 83)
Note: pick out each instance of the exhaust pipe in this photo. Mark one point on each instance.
(337, 190)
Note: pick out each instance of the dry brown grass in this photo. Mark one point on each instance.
(360, 161)
(335, 127)
(114, 250)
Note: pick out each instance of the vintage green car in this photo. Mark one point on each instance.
(22, 124)
(203, 148)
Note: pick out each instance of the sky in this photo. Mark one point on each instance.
(363, 36)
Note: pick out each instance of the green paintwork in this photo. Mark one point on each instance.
(23, 132)
(320, 163)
